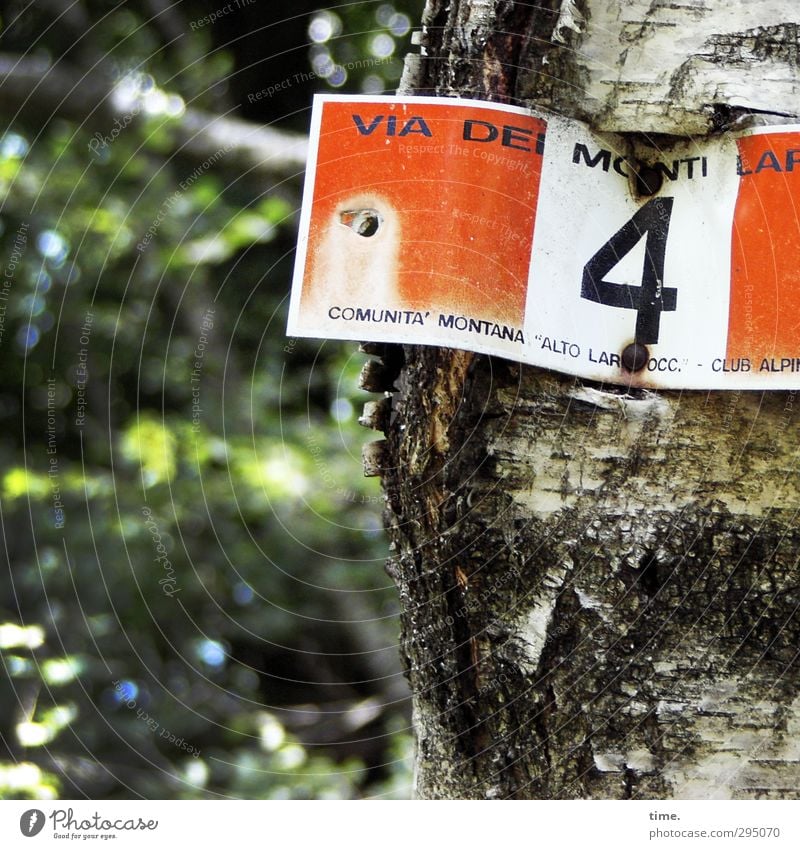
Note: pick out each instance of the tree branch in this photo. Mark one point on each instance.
(35, 91)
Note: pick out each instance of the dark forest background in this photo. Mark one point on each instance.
(192, 602)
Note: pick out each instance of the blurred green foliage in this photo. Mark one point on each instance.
(193, 603)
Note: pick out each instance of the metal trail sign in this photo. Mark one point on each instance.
(491, 228)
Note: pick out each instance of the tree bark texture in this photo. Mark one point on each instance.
(599, 586)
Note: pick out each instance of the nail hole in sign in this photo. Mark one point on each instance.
(365, 222)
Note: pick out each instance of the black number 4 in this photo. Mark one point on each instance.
(652, 296)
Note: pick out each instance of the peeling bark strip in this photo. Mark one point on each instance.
(599, 589)
(659, 66)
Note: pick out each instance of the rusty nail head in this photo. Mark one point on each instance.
(634, 357)
(648, 179)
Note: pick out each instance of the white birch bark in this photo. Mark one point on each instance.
(599, 590)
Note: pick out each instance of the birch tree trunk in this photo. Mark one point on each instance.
(599, 587)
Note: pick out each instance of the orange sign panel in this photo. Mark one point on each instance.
(422, 209)
(765, 266)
